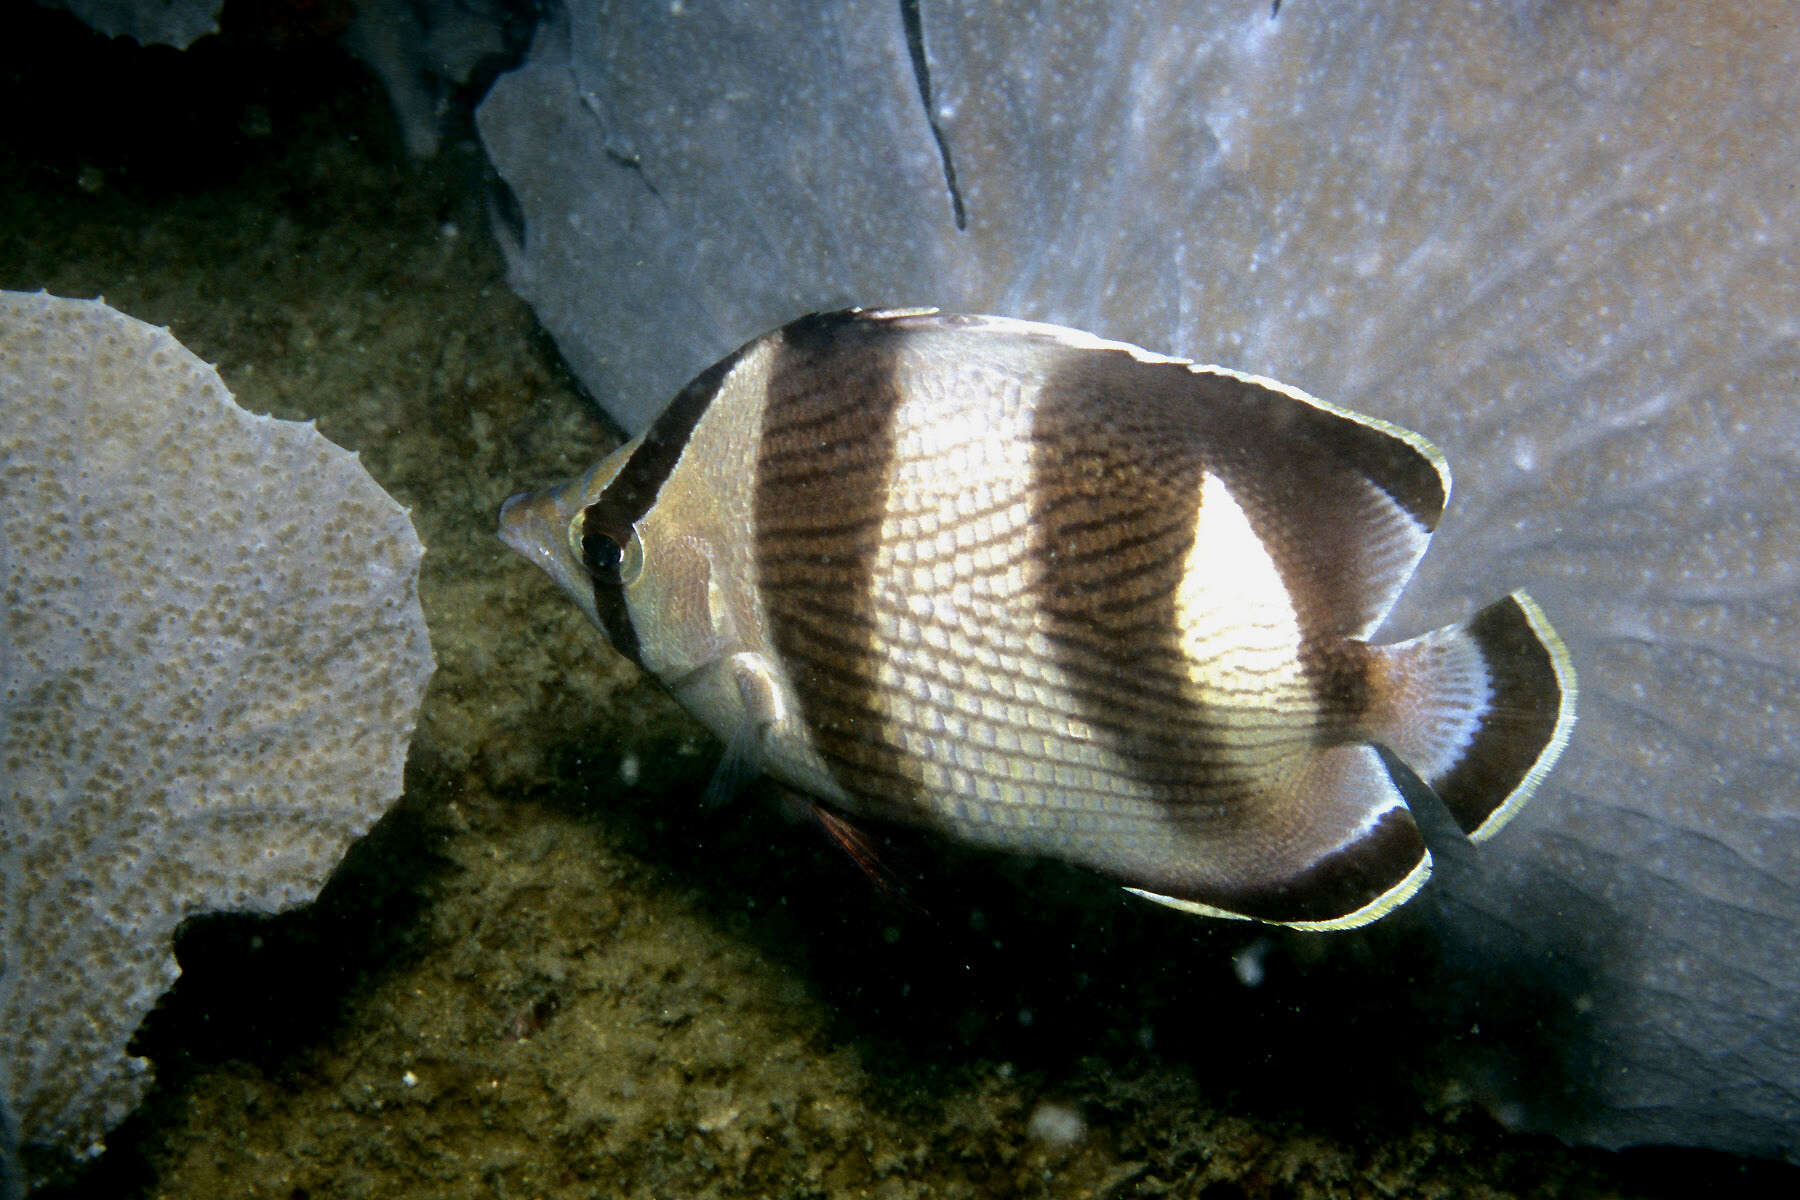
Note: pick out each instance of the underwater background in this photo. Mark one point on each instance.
(552, 971)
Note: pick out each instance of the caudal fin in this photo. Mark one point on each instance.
(1480, 711)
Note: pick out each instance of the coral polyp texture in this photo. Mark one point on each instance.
(212, 657)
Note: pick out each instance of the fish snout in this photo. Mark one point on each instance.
(531, 526)
(535, 526)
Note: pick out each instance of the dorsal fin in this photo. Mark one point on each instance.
(1345, 502)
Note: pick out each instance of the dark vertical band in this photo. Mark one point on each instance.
(823, 470)
(1112, 530)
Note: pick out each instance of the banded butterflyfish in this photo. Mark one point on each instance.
(1061, 596)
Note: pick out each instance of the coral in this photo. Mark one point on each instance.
(212, 656)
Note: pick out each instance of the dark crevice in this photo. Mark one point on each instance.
(915, 43)
(633, 163)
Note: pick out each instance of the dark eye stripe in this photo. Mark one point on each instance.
(634, 490)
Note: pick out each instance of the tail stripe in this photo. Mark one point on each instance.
(1530, 717)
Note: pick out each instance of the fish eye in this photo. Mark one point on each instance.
(610, 555)
(601, 553)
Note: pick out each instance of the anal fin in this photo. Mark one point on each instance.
(1338, 850)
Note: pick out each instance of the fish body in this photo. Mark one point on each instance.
(1061, 596)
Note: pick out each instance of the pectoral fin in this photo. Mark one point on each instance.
(741, 688)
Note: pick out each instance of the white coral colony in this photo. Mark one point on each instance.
(212, 656)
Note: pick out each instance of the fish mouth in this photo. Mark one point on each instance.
(531, 525)
(535, 526)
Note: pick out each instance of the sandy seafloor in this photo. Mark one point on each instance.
(553, 971)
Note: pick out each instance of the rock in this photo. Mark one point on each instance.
(177, 23)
